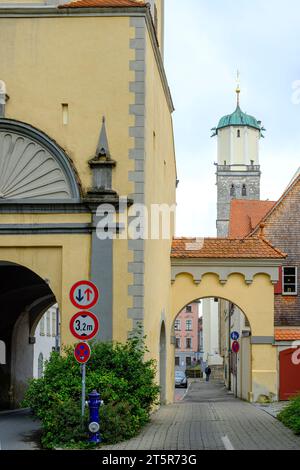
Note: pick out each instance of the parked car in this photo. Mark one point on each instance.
(180, 379)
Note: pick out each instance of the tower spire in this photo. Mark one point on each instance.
(238, 89)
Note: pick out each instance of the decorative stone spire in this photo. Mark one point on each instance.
(102, 164)
(103, 147)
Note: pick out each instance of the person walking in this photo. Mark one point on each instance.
(208, 373)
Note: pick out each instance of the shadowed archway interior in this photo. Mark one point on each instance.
(24, 298)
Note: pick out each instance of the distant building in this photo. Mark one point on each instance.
(238, 177)
(279, 224)
(211, 352)
(46, 340)
(187, 337)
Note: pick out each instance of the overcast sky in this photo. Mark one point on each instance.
(206, 42)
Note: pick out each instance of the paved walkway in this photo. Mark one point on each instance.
(18, 431)
(209, 418)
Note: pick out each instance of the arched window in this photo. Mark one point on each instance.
(232, 191)
(244, 190)
(239, 133)
(2, 353)
(40, 365)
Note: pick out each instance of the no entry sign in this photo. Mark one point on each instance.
(82, 353)
(235, 347)
(84, 326)
(84, 295)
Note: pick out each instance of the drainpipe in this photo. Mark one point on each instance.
(57, 334)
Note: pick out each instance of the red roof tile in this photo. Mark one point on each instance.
(103, 3)
(287, 334)
(245, 215)
(225, 248)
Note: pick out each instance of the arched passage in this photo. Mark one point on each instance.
(244, 272)
(203, 338)
(24, 297)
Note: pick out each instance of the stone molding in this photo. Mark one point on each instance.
(224, 269)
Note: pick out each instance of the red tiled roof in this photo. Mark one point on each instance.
(287, 334)
(245, 215)
(225, 248)
(103, 3)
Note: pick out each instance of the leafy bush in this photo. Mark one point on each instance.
(290, 416)
(117, 371)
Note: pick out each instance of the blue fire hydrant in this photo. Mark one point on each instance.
(94, 427)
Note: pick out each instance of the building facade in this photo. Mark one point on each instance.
(64, 67)
(187, 337)
(278, 222)
(47, 340)
(238, 177)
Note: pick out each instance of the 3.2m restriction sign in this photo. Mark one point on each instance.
(84, 326)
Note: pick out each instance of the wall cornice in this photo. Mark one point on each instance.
(223, 268)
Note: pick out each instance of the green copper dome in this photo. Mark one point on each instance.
(238, 118)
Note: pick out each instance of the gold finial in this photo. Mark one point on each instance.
(238, 89)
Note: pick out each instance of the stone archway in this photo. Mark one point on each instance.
(33, 166)
(244, 273)
(24, 298)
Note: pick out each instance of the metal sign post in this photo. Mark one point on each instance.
(84, 326)
(83, 371)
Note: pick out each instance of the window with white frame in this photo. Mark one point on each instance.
(188, 343)
(188, 325)
(178, 343)
(42, 326)
(289, 281)
(178, 325)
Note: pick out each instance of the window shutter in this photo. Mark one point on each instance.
(278, 286)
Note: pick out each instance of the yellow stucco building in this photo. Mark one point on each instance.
(85, 119)
(62, 70)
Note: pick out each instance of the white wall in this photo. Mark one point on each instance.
(211, 332)
(45, 338)
(238, 150)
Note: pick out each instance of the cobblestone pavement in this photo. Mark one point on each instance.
(209, 418)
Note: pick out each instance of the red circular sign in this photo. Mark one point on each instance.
(84, 325)
(82, 353)
(235, 347)
(84, 295)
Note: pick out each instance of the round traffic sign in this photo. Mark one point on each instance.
(235, 347)
(235, 336)
(82, 353)
(84, 295)
(84, 325)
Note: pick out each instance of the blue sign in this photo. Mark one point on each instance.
(235, 336)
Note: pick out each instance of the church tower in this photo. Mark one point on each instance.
(238, 168)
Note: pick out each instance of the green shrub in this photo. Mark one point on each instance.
(117, 371)
(290, 416)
